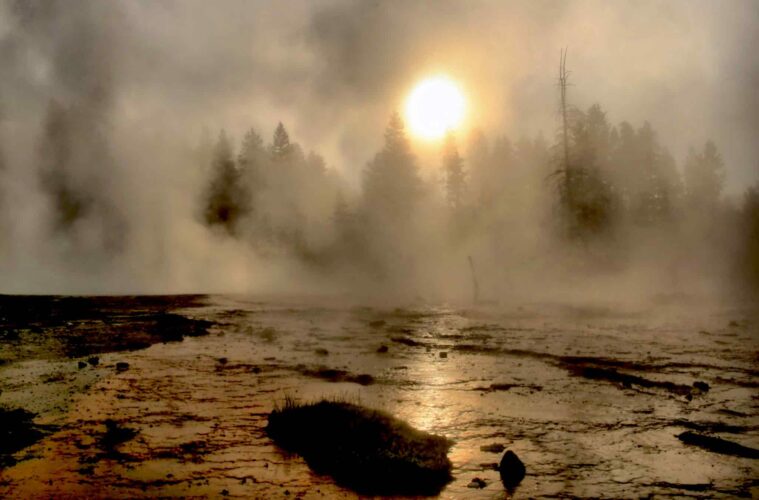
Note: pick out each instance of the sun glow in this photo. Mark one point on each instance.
(435, 106)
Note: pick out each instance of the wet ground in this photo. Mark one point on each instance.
(592, 399)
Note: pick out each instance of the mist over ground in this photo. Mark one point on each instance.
(141, 152)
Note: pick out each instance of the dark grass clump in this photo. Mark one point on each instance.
(115, 435)
(366, 450)
(17, 431)
(718, 445)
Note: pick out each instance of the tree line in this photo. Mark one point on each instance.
(596, 189)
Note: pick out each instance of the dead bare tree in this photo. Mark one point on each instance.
(566, 167)
(475, 285)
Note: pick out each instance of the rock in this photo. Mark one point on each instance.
(81, 365)
(322, 352)
(122, 366)
(512, 469)
(493, 448)
(382, 349)
(443, 354)
(223, 361)
(477, 483)
(93, 360)
(363, 379)
(701, 386)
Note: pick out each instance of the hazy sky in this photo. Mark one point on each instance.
(334, 70)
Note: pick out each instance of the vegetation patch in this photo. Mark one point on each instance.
(627, 380)
(76, 327)
(367, 450)
(17, 431)
(718, 445)
(115, 435)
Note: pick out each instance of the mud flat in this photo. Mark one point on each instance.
(171, 396)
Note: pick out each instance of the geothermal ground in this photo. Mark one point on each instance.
(169, 396)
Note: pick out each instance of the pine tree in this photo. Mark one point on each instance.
(57, 155)
(479, 161)
(315, 163)
(455, 180)
(251, 151)
(251, 163)
(227, 199)
(586, 195)
(704, 177)
(749, 256)
(280, 146)
(391, 183)
(655, 179)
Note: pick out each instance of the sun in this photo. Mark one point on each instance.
(435, 106)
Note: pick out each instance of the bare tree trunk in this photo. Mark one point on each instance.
(475, 286)
(568, 171)
(563, 82)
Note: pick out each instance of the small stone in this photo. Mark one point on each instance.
(81, 365)
(223, 361)
(225, 492)
(701, 386)
(477, 483)
(322, 352)
(512, 469)
(122, 366)
(94, 360)
(364, 379)
(382, 349)
(443, 354)
(493, 448)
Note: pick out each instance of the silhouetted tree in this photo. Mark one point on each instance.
(251, 152)
(749, 259)
(315, 163)
(455, 179)
(347, 232)
(478, 159)
(280, 146)
(251, 163)
(391, 182)
(654, 182)
(227, 200)
(586, 196)
(704, 177)
(57, 155)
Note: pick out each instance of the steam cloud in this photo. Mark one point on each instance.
(108, 112)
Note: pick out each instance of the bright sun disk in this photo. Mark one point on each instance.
(434, 107)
